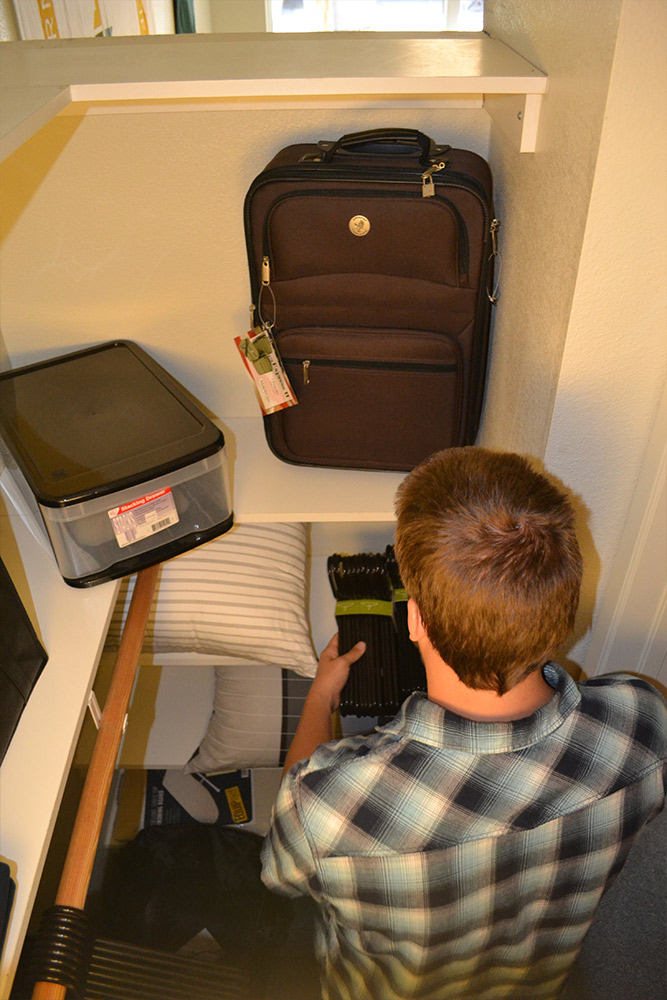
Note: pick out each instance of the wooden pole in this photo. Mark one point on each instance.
(78, 866)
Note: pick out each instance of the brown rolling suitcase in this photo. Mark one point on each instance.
(370, 259)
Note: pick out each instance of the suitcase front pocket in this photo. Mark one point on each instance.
(346, 232)
(379, 399)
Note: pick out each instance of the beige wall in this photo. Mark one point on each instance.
(615, 360)
(238, 15)
(542, 201)
(579, 346)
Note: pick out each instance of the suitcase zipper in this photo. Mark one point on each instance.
(266, 270)
(447, 178)
(321, 172)
(400, 366)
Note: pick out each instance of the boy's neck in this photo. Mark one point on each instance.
(446, 689)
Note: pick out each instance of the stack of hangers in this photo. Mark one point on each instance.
(371, 605)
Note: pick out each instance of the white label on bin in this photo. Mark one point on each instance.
(143, 517)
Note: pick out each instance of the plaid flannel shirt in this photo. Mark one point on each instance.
(459, 859)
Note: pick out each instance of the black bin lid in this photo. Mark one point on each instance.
(100, 420)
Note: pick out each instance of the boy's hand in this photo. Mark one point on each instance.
(332, 672)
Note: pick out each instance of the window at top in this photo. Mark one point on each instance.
(375, 15)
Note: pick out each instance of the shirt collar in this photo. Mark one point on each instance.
(427, 722)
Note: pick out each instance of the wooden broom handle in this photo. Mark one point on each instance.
(78, 866)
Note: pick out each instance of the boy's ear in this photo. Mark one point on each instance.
(416, 628)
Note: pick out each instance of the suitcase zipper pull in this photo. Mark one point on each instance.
(428, 186)
(266, 271)
(495, 226)
(306, 372)
(266, 283)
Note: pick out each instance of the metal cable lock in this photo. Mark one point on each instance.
(263, 323)
(492, 294)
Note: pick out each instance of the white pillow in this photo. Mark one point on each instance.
(255, 714)
(241, 595)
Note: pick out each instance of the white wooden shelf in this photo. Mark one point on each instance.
(79, 76)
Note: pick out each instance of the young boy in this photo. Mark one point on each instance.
(462, 849)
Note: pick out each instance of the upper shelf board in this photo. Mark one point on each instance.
(40, 79)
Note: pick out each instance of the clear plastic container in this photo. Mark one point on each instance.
(109, 452)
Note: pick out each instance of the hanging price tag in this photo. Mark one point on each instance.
(263, 365)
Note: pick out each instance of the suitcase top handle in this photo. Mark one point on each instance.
(362, 143)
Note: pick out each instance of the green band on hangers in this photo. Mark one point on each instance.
(363, 607)
(400, 594)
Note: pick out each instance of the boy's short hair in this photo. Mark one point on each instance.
(487, 548)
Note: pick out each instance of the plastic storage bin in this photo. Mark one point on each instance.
(110, 453)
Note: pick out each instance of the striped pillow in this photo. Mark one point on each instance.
(255, 714)
(242, 595)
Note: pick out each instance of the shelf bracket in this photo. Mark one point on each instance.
(517, 116)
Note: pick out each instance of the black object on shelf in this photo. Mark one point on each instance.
(371, 606)
(22, 659)
(7, 893)
(412, 673)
